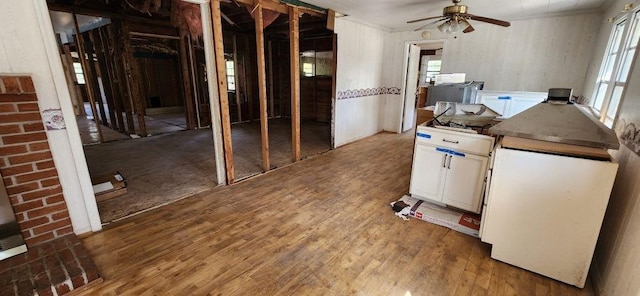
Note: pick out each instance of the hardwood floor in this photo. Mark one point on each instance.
(319, 227)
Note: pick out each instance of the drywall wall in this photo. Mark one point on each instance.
(359, 85)
(616, 263)
(531, 55)
(27, 46)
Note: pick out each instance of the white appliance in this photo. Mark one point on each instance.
(543, 212)
(449, 167)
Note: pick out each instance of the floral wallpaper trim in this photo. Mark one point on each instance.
(367, 92)
(629, 135)
(53, 119)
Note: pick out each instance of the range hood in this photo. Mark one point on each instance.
(559, 123)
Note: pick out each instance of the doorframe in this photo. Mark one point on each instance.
(64, 98)
(405, 68)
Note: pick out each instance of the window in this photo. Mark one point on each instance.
(615, 67)
(433, 67)
(307, 69)
(231, 76)
(77, 68)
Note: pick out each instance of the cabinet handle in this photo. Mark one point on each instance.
(449, 163)
(444, 160)
(448, 141)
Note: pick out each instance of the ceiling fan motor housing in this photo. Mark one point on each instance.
(454, 9)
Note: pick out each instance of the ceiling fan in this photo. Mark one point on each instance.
(456, 18)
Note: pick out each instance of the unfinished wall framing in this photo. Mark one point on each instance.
(258, 47)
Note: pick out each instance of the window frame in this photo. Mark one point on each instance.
(631, 22)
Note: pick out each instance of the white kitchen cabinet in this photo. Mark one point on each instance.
(449, 167)
(543, 212)
(465, 181)
(427, 178)
(509, 103)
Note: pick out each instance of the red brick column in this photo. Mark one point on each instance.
(26, 164)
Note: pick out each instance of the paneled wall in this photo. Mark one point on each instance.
(360, 68)
(531, 55)
(617, 255)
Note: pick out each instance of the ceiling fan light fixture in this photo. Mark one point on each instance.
(444, 27)
(458, 25)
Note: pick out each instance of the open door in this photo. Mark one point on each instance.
(411, 87)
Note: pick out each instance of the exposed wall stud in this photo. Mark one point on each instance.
(294, 50)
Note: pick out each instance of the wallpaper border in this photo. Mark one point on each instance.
(367, 92)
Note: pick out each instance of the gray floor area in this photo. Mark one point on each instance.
(156, 124)
(165, 168)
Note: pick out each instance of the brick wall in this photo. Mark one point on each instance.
(26, 165)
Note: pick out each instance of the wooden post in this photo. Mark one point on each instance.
(187, 89)
(115, 29)
(88, 82)
(194, 81)
(294, 53)
(93, 75)
(262, 88)
(133, 70)
(67, 63)
(235, 75)
(96, 39)
(248, 78)
(116, 86)
(222, 89)
(271, 98)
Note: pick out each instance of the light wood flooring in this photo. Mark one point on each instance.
(322, 226)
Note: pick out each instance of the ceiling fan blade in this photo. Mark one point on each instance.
(431, 23)
(488, 20)
(468, 29)
(423, 19)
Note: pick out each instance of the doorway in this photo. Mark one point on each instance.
(133, 87)
(423, 60)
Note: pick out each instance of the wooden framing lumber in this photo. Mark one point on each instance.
(88, 82)
(334, 71)
(115, 29)
(93, 75)
(294, 53)
(96, 39)
(187, 89)
(70, 73)
(115, 85)
(262, 88)
(222, 89)
(133, 72)
(267, 4)
(270, 97)
(331, 19)
(235, 75)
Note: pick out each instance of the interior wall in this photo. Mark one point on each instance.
(27, 46)
(531, 55)
(360, 88)
(617, 256)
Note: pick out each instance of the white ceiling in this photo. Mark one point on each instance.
(394, 14)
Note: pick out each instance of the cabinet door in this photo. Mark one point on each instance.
(465, 181)
(519, 104)
(428, 172)
(499, 104)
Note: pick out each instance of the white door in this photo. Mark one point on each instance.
(465, 181)
(411, 88)
(428, 172)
